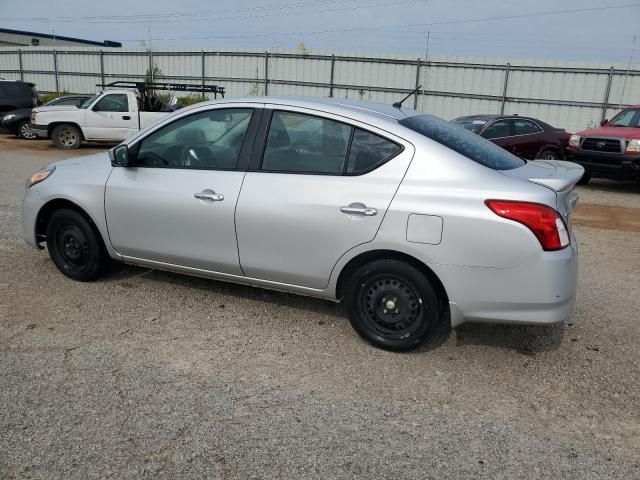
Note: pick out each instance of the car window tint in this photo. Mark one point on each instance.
(498, 129)
(303, 143)
(115, 102)
(524, 127)
(368, 151)
(206, 140)
(463, 141)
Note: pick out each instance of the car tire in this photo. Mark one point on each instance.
(24, 130)
(66, 137)
(585, 179)
(392, 305)
(547, 154)
(74, 246)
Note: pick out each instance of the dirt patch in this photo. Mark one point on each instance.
(10, 142)
(606, 217)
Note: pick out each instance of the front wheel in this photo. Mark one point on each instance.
(392, 305)
(66, 137)
(547, 155)
(24, 130)
(74, 246)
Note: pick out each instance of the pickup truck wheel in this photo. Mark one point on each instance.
(392, 305)
(24, 130)
(66, 137)
(74, 246)
(547, 155)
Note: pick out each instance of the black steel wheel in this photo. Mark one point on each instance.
(392, 305)
(74, 246)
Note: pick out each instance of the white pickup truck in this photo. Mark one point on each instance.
(109, 116)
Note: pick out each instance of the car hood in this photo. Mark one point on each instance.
(56, 108)
(620, 132)
(22, 112)
(95, 160)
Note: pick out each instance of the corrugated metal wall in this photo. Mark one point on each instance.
(570, 95)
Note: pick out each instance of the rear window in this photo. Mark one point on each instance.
(17, 89)
(463, 141)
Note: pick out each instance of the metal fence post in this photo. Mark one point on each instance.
(151, 79)
(333, 68)
(504, 87)
(20, 64)
(102, 68)
(607, 91)
(55, 68)
(202, 69)
(266, 73)
(415, 97)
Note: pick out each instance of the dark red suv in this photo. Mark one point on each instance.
(525, 137)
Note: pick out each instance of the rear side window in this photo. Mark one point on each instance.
(369, 151)
(525, 127)
(300, 143)
(463, 141)
(498, 129)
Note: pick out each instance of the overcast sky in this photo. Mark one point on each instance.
(603, 31)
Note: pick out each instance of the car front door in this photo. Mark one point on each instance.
(316, 188)
(110, 118)
(176, 203)
(528, 138)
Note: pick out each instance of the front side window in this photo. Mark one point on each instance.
(369, 151)
(498, 129)
(115, 102)
(525, 127)
(206, 140)
(306, 144)
(463, 141)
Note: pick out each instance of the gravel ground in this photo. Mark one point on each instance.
(147, 374)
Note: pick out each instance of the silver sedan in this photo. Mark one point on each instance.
(409, 219)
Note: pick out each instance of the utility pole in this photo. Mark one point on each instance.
(626, 77)
(424, 80)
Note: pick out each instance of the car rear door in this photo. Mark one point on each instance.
(110, 118)
(176, 203)
(318, 186)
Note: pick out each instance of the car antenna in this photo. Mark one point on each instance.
(413, 92)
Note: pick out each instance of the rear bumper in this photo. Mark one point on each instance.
(617, 166)
(40, 130)
(537, 293)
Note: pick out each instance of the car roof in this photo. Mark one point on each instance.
(341, 106)
(17, 82)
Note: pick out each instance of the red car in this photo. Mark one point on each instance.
(525, 137)
(611, 151)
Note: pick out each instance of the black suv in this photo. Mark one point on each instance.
(15, 94)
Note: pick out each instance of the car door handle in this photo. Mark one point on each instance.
(126, 117)
(213, 196)
(359, 209)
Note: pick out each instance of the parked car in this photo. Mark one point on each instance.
(410, 219)
(611, 151)
(15, 94)
(18, 121)
(526, 137)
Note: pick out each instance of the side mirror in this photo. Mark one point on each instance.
(119, 156)
(603, 122)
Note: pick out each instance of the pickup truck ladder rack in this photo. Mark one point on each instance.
(144, 87)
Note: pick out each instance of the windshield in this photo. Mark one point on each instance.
(463, 141)
(89, 101)
(470, 124)
(626, 118)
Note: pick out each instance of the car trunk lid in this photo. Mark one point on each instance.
(557, 175)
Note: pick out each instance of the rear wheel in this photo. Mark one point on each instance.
(547, 155)
(392, 305)
(585, 179)
(74, 246)
(66, 137)
(24, 130)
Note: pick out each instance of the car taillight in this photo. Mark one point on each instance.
(545, 223)
(34, 101)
